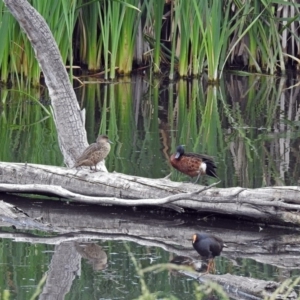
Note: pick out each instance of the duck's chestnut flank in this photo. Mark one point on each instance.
(193, 164)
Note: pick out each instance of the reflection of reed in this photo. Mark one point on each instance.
(240, 162)
(249, 123)
(263, 124)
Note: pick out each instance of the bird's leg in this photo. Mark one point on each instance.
(210, 265)
(198, 177)
(213, 265)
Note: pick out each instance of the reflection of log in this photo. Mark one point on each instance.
(153, 231)
(272, 205)
(279, 249)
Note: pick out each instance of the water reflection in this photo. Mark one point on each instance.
(90, 251)
(250, 124)
(23, 270)
(94, 254)
(196, 265)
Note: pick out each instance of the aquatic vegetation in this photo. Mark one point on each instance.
(186, 38)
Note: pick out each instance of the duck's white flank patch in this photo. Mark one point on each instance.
(203, 167)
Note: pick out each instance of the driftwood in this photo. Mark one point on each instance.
(272, 205)
(145, 230)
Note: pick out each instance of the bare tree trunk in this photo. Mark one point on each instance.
(71, 132)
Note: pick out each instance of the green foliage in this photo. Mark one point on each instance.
(28, 133)
(247, 123)
(191, 36)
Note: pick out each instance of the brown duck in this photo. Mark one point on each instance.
(94, 153)
(193, 164)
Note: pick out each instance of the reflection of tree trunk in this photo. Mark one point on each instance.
(240, 161)
(71, 133)
(65, 264)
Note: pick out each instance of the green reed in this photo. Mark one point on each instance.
(28, 133)
(6, 21)
(183, 36)
(187, 40)
(158, 9)
(115, 12)
(90, 39)
(16, 49)
(125, 52)
(202, 36)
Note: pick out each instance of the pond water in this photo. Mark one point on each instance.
(93, 259)
(249, 124)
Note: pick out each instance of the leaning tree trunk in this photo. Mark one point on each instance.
(69, 122)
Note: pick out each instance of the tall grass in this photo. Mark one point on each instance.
(191, 36)
(90, 40)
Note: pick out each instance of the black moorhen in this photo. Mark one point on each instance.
(208, 246)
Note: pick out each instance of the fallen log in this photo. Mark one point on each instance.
(238, 287)
(274, 205)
